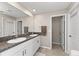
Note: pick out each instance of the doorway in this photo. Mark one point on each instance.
(58, 31)
(19, 27)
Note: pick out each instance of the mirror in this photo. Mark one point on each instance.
(9, 24)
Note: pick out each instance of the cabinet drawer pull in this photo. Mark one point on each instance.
(23, 53)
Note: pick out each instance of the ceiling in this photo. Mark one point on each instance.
(43, 7)
(7, 9)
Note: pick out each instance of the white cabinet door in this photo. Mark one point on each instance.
(28, 48)
(36, 44)
(20, 52)
(33, 46)
(28, 51)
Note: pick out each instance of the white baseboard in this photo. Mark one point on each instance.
(45, 47)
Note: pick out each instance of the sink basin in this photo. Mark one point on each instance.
(17, 40)
(33, 34)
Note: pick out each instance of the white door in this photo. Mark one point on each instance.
(74, 36)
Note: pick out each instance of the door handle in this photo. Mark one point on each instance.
(70, 35)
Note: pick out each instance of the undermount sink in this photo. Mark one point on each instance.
(17, 40)
(33, 34)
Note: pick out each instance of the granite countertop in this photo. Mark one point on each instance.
(5, 46)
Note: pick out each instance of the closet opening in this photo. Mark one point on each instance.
(58, 32)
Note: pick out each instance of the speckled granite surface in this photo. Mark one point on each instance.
(4, 45)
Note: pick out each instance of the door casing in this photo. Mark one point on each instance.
(65, 15)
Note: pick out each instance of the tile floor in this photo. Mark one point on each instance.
(55, 51)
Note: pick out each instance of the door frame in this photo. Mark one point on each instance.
(51, 29)
(58, 31)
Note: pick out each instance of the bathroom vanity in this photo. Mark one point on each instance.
(27, 47)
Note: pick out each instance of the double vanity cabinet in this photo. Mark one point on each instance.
(27, 48)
